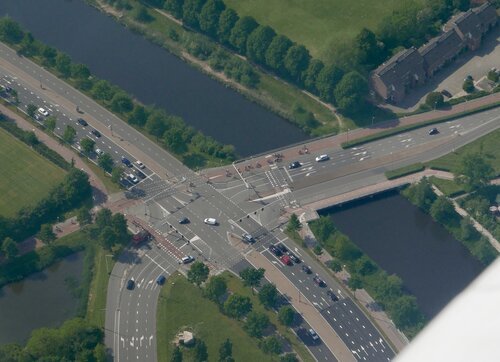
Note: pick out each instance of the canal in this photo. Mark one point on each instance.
(43, 299)
(405, 241)
(151, 74)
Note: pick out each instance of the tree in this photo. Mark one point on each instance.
(63, 64)
(10, 31)
(327, 78)
(176, 355)
(421, 194)
(258, 42)
(141, 14)
(467, 231)
(198, 273)
(50, 123)
(31, 110)
(87, 145)
(364, 266)
(351, 91)
(46, 234)
(255, 324)
(215, 288)
(9, 248)
(289, 357)
(276, 52)
(268, 295)
(106, 162)
(119, 225)
(102, 90)
(335, 265)
(296, 61)
(225, 351)
(209, 16)
(240, 32)
(227, 20)
(200, 351)
(286, 315)
(174, 7)
(116, 174)
(83, 216)
(345, 249)
(156, 124)
(28, 46)
(323, 228)
(49, 56)
(237, 306)
(442, 210)
(107, 238)
(434, 100)
(69, 134)
(121, 103)
(405, 311)
(80, 71)
(474, 171)
(494, 75)
(139, 116)
(311, 74)
(355, 282)
(294, 223)
(272, 345)
(370, 50)
(174, 139)
(190, 11)
(252, 277)
(103, 218)
(468, 85)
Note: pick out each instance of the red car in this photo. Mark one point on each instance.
(285, 259)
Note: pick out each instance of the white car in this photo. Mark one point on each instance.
(322, 158)
(210, 221)
(43, 112)
(139, 164)
(313, 334)
(187, 259)
(99, 152)
(132, 178)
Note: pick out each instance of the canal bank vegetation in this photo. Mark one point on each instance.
(443, 212)
(231, 312)
(387, 290)
(170, 132)
(211, 52)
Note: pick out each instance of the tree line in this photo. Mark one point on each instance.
(170, 131)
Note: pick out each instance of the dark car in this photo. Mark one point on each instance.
(332, 296)
(126, 162)
(294, 258)
(184, 220)
(319, 282)
(82, 122)
(140, 174)
(282, 247)
(306, 269)
(446, 93)
(294, 164)
(273, 249)
(161, 280)
(130, 284)
(248, 238)
(433, 131)
(96, 133)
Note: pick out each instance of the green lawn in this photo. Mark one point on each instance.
(181, 305)
(487, 145)
(26, 176)
(447, 187)
(320, 25)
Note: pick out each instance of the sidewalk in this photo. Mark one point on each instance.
(306, 310)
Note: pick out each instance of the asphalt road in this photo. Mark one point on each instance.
(185, 193)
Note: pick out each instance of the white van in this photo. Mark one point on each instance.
(210, 221)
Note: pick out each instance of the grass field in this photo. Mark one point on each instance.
(320, 25)
(487, 145)
(182, 305)
(26, 176)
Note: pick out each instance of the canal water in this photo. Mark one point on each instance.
(405, 241)
(151, 74)
(43, 299)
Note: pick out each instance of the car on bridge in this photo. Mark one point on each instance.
(273, 249)
(43, 112)
(82, 122)
(332, 295)
(187, 259)
(294, 258)
(96, 133)
(183, 220)
(294, 164)
(433, 131)
(210, 221)
(312, 333)
(139, 164)
(132, 178)
(319, 282)
(321, 158)
(282, 247)
(126, 162)
(130, 284)
(161, 280)
(248, 238)
(285, 259)
(306, 269)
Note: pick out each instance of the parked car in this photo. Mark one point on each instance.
(210, 221)
(285, 259)
(294, 258)
(96, 133)
(130, 284)
(306, 269)
(294, 164)
(139, 164)
(248, 238)
(183, 220)
(332, 295)
(43, 112)
(187, 259)
(282, 247)
(273, 249)
(161, 280)
(433, 131)
(319, 282)
(82, 122)
(140, 174)
(99, 152)
(132, 178)
(312, 333)
(126, 162)
(446, 93)
(321, 158)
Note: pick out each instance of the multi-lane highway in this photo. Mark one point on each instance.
(252, 205)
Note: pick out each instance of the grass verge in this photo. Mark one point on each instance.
(404, 171)
(448, 187)
(111, 187)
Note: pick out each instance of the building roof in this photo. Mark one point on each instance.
(469, 24)
(486, 13)
(399, 63)
(441, 48)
